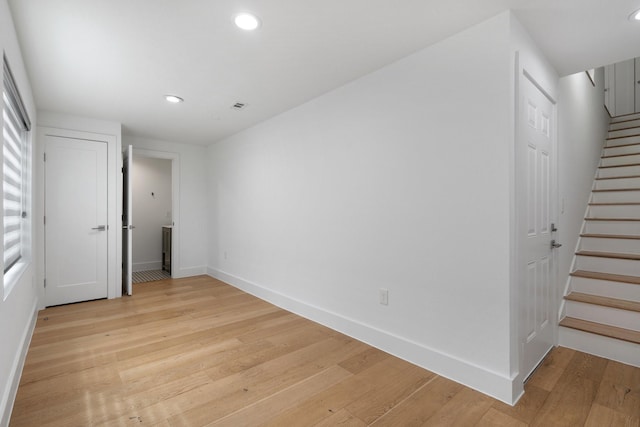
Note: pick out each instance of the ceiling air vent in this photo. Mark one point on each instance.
(239, 106)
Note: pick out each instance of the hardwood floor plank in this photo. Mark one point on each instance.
(551, 369)
(495, 418)
(391, 383)
(196, 351)
(273, 405)
(421, 405)
(601, 416)
(466, 408)
(529, 405)
(620, 389)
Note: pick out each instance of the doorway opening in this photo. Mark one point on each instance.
(150, 217)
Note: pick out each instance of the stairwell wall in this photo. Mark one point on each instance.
(583, 125)
(399, 180)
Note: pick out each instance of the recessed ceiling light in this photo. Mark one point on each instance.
(246, 21)
(635, 16)
(173, 99)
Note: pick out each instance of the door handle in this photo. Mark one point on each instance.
(100, 228)
(555, 245)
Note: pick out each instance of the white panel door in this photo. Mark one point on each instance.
(625, 87)
(637, 85)
(609, 89)
(76, 220)
(127, 221)
(536, 181)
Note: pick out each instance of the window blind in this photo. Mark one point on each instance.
(14, 129)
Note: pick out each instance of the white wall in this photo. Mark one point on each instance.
(18, 307)
(583, 123)
(151, 209)
(399, 180)
(191, 225)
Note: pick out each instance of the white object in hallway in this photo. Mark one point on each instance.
(127, 216)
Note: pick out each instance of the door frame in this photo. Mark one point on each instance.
(114, 209)
(527, 67)
(175, 201)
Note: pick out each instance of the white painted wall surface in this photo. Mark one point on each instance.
(583, 123)
(151, 208)
(191, 229)
(18, 307)
(398, 180)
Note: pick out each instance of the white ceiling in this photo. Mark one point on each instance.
(115, 59)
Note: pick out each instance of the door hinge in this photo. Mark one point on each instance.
(122, 169)
(44, 157)
(45, 220)
(45, 283)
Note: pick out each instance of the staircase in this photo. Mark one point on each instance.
(602, 303)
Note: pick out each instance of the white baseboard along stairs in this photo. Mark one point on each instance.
(601, 312)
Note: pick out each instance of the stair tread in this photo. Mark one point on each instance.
(634, 280)
(601, 329)
(605, 190)
(623, 145)
(619, 137)
(619, 166)
(615, 255)
(610, 236)
(603, 301)
(619, 155)
(614, 204)
(627, 128)
(611, 219)
(617, 177)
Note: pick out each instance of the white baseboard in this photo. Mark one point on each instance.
(491, 383)
(146, 266)
(11, 389)
(190, 272)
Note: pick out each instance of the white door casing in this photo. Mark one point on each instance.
(76, 238)
(127, 224)
(536, 208)
(636, 84)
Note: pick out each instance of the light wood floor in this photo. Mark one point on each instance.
(196, 351)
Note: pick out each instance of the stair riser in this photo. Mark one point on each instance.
(624, 132)
(608, 265)
(626, 246)
(625, 118)
(617, 151)
(606, 288)
(622, 141)
(624, 160)
(625, 124)
(616, 196)
(631, 228)
(620, 171)
(610, 348)
(605, 315)
(614, 211)
(605, 184)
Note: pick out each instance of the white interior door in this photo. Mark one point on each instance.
(609, 89)
(625, 87)
(76, 245)
(127, 220)
(536, 183)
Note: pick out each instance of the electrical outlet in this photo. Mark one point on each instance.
(384, 296)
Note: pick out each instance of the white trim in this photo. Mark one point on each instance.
(11, 388)
(456, 369)
(190, 272)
